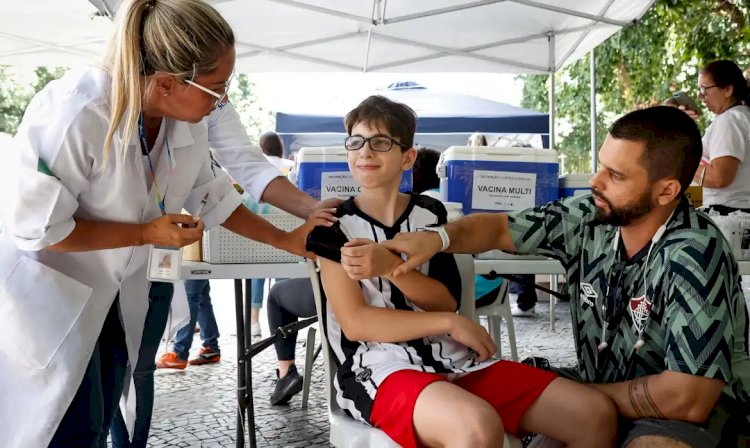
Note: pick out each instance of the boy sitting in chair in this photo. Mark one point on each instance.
(407, 363)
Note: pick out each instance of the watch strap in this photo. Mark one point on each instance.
(442, 233)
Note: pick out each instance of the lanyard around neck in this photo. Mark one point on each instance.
(144, 142)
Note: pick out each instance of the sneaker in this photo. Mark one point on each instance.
(170, 360)
(516, 311)
(207, 355)
(286, 387)
(255, 329)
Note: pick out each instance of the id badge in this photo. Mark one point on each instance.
(164, 264)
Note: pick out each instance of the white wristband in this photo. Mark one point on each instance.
(440, 230)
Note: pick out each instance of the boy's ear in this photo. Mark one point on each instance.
(408, 158)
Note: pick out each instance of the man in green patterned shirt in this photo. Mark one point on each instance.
(659, 319)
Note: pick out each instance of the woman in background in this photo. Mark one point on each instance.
(726, 144)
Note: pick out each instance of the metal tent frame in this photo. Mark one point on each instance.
(516, 36)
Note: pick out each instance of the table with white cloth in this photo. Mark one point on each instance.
(192, 270)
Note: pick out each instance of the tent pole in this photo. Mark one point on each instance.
(377, 19)
(552, 95)
(367, 50)
(592, 70)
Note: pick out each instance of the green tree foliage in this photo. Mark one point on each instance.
(256, 119)
(15, 94)
(643, 65)
(13, 101)
(46, 74)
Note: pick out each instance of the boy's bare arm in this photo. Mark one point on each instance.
(361, 322)
(425, 292)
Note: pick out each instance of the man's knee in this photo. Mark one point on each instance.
(656, 442)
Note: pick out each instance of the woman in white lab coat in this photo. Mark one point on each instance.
(106, 160)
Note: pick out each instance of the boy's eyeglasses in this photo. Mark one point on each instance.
(615, 297)
(221, 98)
(379, 143)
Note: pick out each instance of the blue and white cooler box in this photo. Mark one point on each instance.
(323, 173)
(575, 184)
(490, 179)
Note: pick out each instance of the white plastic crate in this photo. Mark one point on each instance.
(222, 246)
(736, 229)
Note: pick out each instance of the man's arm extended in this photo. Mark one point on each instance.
(476, 233)
(668, 395)
(480, 232)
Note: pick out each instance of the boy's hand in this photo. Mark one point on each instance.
(472, 335)
(295, 240)
(363, 258)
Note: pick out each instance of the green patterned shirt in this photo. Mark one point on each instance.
(693, 317)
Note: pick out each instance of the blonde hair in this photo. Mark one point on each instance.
(184, 38)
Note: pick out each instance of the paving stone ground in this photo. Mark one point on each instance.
(196, 407)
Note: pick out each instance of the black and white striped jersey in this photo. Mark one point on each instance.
(363, 366)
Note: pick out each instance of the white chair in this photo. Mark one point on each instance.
(345, 431)
(500, 308)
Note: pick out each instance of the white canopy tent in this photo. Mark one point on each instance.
(400, 36)
(511, 36)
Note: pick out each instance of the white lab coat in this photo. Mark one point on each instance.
(53, 304)
(231, 147)
(249, 167)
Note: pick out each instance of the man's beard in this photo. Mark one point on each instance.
(626, 215)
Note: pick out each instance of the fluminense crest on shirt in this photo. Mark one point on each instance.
(639, 309)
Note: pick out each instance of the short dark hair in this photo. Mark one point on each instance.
(726, 73)
(400, 119)
(271, 144)
(672, 140)
(425, 174)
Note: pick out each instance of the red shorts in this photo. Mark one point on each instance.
(511, 388)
